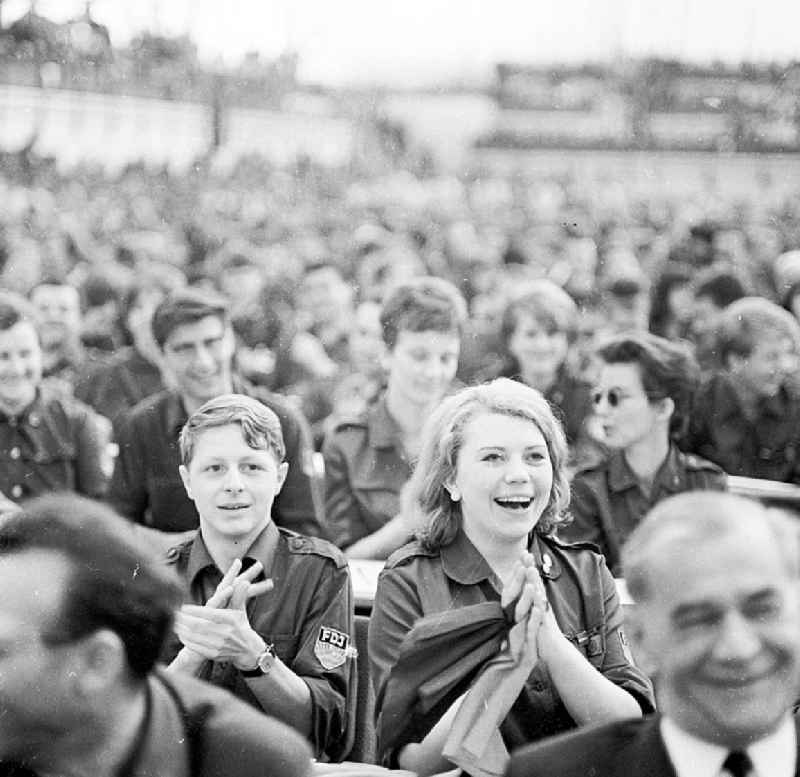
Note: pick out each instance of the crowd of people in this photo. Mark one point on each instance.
(219, 390)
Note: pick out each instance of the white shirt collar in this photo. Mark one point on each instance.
(773, 756)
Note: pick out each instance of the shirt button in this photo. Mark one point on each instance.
(14, 452)
(16, 491)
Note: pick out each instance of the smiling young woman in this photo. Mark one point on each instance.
(488, 492)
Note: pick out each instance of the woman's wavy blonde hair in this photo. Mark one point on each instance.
(425, 498)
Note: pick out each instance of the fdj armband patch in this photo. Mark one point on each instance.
(332, 648)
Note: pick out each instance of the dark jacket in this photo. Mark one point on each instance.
(608, 503)
(146, 486)
(312, 595)
(57, 443)
(365, 469)
(194, 730)
(117, 386)
(630, 748)
(416, 583)
(767, 446)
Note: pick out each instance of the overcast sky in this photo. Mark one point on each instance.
(417, 42)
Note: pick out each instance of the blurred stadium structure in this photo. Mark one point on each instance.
(67, 93)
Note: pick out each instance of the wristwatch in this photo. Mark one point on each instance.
(264, 663)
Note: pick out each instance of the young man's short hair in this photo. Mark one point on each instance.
(260, 426)
(423, 305)
(186, 306)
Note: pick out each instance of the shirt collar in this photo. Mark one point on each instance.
(31, 415)
(772, 756)
(161, 747)
(383, 429)
(621, 477)
(463, 563)
(262, 549)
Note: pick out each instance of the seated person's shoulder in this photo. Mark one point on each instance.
(222, 727)
(564, 547)
(567, 755)
(702, 472)
(314, 547)
(178, 555)
(411, 553)
(591, 471)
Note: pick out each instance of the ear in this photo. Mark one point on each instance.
(667, 408)
(283, 470)
(452, 489)
(103, 662)
(187, 481)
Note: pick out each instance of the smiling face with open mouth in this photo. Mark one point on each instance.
(504, 478)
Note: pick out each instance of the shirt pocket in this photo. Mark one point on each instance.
(53, 467)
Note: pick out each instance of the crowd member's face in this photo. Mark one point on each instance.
(422, 365)
(721, 633)
(537, 347)
(626, 414)
(232, 485)
(38, 682)
(20, 366)
(767, 367)
(324, 297)
(59, 312)
(704, 316)
(504, 477)
(198, 356)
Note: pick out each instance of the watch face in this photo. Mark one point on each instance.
(267, 659)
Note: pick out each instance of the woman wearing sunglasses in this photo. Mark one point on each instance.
(641, 403)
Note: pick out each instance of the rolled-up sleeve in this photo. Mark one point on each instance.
(618, 662)
(329, 674)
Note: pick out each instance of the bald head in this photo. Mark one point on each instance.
(686, 521)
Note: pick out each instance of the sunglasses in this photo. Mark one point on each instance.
(613, 397)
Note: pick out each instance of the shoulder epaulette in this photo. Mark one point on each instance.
(177, 552)
(410, 550)
(314, 546)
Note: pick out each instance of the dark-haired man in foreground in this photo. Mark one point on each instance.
(83, 617)
(717, 622)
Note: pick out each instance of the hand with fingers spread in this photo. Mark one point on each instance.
(220, 629)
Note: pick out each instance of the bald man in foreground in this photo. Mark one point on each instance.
(717, 624)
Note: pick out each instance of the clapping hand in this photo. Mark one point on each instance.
(525, 587)
(220, 630)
